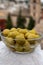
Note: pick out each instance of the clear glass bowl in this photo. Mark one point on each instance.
(20, 48)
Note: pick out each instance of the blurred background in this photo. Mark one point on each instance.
(29, 8)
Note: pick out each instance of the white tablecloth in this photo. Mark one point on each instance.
(8, 57)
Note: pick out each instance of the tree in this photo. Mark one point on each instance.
(9, 22)
(26, 1)
(31, 24)
(20, 20)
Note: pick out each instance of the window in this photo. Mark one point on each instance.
(20, 1)
(34, 7)
(34, 1)
(11, 0)
(34, 14)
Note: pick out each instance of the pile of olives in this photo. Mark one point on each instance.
(20, 38)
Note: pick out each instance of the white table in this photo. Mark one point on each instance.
(8, 57)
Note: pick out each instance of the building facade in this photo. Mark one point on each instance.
(35, 9)
(41, 11)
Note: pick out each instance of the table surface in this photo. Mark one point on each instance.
(8, 57)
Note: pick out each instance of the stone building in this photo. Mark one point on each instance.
(35, 8)
(41, 14)
(41, 11)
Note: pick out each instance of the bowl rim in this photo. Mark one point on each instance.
(34, 39)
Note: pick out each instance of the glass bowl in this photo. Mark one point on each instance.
(21, 47)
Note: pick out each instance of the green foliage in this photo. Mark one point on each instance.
(9, 22)
(20, 20)
(26, 1)
(31, 24)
